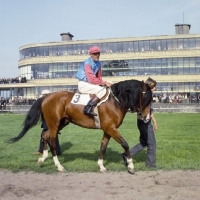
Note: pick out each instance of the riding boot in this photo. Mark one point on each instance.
(88, 109)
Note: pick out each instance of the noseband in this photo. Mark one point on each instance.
(139, 107)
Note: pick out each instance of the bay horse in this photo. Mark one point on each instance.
(58, 111)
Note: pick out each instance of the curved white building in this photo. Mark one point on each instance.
(172, 60)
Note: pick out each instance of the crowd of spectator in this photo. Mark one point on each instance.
(23, 101)
(18, 79)
(176, 98)
(4, 102)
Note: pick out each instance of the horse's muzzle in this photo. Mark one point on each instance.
(140, 116)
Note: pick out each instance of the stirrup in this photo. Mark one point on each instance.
(89, 111)
(92, 113)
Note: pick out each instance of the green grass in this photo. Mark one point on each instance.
(177, 138)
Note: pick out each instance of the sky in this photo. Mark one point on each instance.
(25, 22)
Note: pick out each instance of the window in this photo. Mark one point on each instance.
(146, 67)
(180, 44)
(198, 65)
(41, 51)
(114, 49)
(175, 66)
(158, 45)
(37, 51)
(119, 47)
(65, 50)
(152, 45)
(141, 46)
(70, 49)
(46, 51)
(55, 50)
(110, 47)
(192, 65)
(186, 66)
(105, 48)
(163, 45)
(197, 43)
(175, 44)
(164, 69)
(192, 43)
(180, 65)
(146, 46)
(169, 65)
(169, 45)
(130, 46)
(60, 51)
(125, 46)
(135, 46)
(185, 44)
(141, 70)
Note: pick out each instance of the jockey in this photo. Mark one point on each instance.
(90, 80)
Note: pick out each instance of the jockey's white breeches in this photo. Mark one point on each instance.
(85, 87)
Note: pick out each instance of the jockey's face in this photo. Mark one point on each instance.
(95, 56)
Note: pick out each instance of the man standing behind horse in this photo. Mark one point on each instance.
(90, 80)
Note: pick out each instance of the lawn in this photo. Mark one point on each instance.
(177, 138)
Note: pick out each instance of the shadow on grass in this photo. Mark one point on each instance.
(65, 146)
(110, 155)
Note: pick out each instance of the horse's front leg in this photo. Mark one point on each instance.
(103, 148)
(115, 135)
(127, 152)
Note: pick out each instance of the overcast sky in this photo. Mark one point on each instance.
(25, 22)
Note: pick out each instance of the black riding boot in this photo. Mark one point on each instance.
(88, 109)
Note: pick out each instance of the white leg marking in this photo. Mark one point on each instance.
(130, 165)
(58, 165)
(100, 164)
(43, 158)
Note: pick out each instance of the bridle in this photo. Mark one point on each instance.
(138, 108)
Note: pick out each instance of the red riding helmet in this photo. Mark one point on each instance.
(94, 49)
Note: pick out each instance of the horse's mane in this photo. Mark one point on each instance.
(128, 93)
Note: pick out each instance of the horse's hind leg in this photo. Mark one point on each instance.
(45, 140)
(53, 133)
(103, 148)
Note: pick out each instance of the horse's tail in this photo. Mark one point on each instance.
(31, 119)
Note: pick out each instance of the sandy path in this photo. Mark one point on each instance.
(156, 185)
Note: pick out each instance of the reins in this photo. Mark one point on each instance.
(114, 96)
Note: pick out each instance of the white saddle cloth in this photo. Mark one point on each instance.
(82, 99)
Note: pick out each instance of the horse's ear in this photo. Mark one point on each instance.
(143, 84)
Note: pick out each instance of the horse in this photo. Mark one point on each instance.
(58, 111)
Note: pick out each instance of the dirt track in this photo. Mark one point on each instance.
(156, 185)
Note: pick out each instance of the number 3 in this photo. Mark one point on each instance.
(77, 96)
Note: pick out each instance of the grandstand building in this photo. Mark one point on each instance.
(172, 60)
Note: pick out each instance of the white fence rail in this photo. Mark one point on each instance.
(158, 107)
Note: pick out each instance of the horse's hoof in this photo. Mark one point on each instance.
(103, 170)
(40, 161)
(131, 171)
(62, 170)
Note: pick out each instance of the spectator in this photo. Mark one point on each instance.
(3, 104)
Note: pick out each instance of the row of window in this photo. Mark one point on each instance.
(113, 47)
(161, 66)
